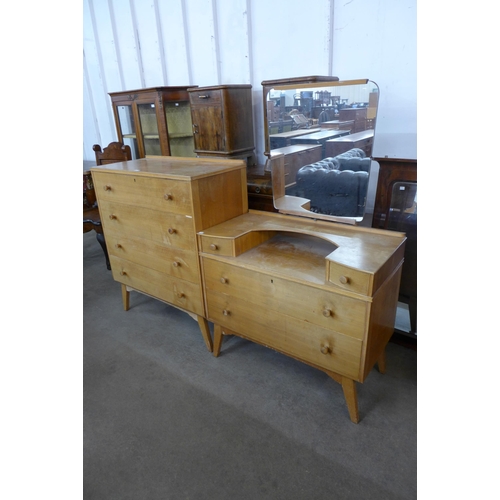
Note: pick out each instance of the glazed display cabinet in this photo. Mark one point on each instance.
(154, 121)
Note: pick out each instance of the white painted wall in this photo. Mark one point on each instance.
(143, 43)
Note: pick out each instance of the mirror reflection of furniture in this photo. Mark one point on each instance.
(396, 209)
(115, 152)
(336, 185)
(343, 112)
(338, 145)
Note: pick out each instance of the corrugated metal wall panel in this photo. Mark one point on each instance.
(143, 43)
(175, 43)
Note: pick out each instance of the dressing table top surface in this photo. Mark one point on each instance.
(363, 249)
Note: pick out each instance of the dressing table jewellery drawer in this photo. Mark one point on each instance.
(143, 223)
(228, 246)
(349, 279)
(168, 195)
(180, 293)
(270, 293)
(322, 347)
(173, 261)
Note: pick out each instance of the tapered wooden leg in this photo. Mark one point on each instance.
(125, 298)
(350, 395)
(217, 339)
(205, 332)
(381, 362)
(351, 398)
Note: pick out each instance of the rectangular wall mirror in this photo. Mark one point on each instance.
(319, 136)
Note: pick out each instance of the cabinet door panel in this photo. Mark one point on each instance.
(208, 128)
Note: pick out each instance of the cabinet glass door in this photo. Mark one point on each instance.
(149, 127)
(180, 128)
(128, 129)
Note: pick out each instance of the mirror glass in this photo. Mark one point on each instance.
(319, 141)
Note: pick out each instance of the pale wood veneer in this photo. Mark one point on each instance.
(151, 210)
(320, 292)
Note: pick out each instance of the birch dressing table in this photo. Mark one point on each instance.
(320, 292)
(311, 285)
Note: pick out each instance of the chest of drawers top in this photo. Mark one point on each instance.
(184, 169)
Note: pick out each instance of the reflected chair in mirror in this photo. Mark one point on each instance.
(115, 152)
(323, 117)
(337, 185)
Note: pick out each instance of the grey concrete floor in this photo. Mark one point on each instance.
(165, 419)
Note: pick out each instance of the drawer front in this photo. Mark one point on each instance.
(167, 195)
(288, 167)
(217, 246)
(205, 97)
(313, 155)
(168, 229)
(178, 292)
(350, 279)
(175, 262)
(322, 347)
(295, 161)
(323, 308)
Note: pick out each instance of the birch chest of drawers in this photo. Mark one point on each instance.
(323, 293)
(151, 210)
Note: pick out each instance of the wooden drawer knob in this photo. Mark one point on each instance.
(223, 281)
(344, 280)
(168, 196)
(213, 246)
(118, 245)
(325, 349)
(112, 217)
(180, 295)
(123, 273)
(225, 312)
(171, 230)
(107, 187)
(176, 264)
(327, 313)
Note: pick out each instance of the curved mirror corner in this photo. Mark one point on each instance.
(319, 142)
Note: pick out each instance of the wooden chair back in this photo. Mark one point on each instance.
(114, 152)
